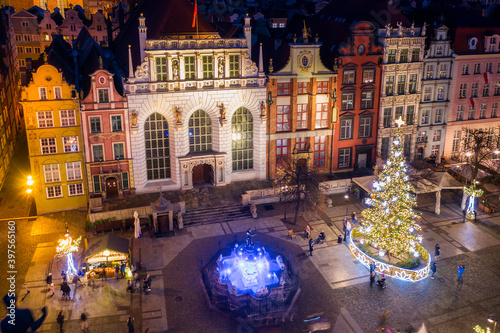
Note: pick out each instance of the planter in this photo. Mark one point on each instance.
(92, 231)
(116, 225)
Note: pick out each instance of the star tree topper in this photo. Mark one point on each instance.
(400, 122)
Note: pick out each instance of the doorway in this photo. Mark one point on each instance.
(301, 165)
(420, 153)
(362, 160)
(203, 174)
(111, 187)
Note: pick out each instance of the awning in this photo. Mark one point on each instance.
(117, 249)
(366, 182)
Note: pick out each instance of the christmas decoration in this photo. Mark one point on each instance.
(66, 247)
(472, 192)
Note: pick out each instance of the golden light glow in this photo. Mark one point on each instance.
(400, 122)
(106, 253)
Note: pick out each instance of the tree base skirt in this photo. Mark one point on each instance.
(388, 269)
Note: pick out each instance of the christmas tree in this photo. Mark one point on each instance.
(390, 222)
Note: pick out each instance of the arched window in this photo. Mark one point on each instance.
(242, 131)
(200, 132)
(157, 147)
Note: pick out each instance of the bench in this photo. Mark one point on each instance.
(291, 234)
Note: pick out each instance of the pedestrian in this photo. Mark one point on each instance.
(49, 280)
(146, 283)
(84, 323)
(460, 272)
(348, 228)
(475, 215)
(136, 280)
(51, 290)
(354, 219)
(122, 269)
(65, 288)
(311, 247)
(60, 321)
(103, 274)
(130, 325)
(117, 271)
(436, 254)
(64, 276)
(345, 229)
(433, 269)
(464, 214)
(75, 280)
(307, 231)
(130, 286)
(372, 267)
(372, 278)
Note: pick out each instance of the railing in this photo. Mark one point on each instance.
(421, 139)
(186, 44)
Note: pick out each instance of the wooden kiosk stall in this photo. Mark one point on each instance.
(104, 253)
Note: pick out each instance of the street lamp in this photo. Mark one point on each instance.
(493, 320)
(346, 196)
(284, 190)
(30, 183)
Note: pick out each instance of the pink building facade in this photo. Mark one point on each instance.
(106, 137)
(475, 89)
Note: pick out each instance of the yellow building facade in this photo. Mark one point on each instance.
(51, 113)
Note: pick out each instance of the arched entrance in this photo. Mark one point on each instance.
(420, 153)
(111, 187)
(203, 174)
(301, 165)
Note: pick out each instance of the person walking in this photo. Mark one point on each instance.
(460, 273)
(345, 229)
(130, 325)
(49, 280)
(51, 290)
(60, 321)
(130, 286)
(372, 267)
(354, 219)
(64, 276)
(348, 229)
(436, 252)
(65, 290)
(464, 214)
(433, 269)
(372, 278)
(122, 269)
(311, 247)
(307, 231)
(117, 271)
(84, 323)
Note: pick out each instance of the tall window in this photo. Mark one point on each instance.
(486, 90)
(346, 128)
(97, 153)
(474, 89)
(440, 93)
(301, 116)
(443, 70)
(412, 84)
(482, 110)
(439, 50)
(161, 69)
(303, 88)
(234, 65)
(465, 69)
(410, 114)
(472, 113)
(208, 70)
(200, 132)
(68, 117)
(366, 99)
(348, 100)
(322, 87)
(103, 94)
(497, 89)
(455, 147)
(463, 90)
(70, 144)
(118, 151)
(48, 145)
(429, 74)
(57, 93)
(407, 145)
(96, 180)
(51, 172)
(300, 143)
(384, 148)
(45, 119)
(415, 55)
(157, 144)
(460, 112)
(391, 56)
(54, 192)
(284, 89)
(319, 151)
(368, 75)
(242, 148)
(349, 76)
(427, 94)
(401, 84)
(116, 123)
(75, 189)
(125, 184)
(321, 115)
(189, 67)
(403, 55)
(387, 117)
(435, 150)
(437, 135)
(477, 68)
(95, 124)
(344, 157)
(283, 118)
(489, 67)
(73, 170)
(42, 91)
(389, 85)
(438, 116)
(494, 110)
(365, 127)
(281, 151)
(425, 117)
(399, 112)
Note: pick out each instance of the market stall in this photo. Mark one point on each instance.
(104, 253)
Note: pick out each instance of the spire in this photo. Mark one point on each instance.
(261, 62)
(142, 35)
(305, 34)
(130, 66)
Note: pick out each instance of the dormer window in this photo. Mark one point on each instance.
(472, 43)
(439, 50)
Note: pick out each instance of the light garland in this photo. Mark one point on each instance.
(66, 247)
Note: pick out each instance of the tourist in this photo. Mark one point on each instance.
(122, 269)
(84, 323)
(354, 219)
(60, 321)
(321, 237)
(381, 281)
(130, 286)
(433, 269)
(117, 271)
(49, 280)
(345, 228)
(348, 228)
(372, 266)
(372, 278)
(147, 284)
(64, 276)
(65, 291)
(460, 272)
(436, 254)
(311, 247)
(307, 231)
(51, 290)
(130, 325)
(24, 319)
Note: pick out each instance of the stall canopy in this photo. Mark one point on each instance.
(107, 248)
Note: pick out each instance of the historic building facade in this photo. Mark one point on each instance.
(52, 120)
(27, 38)
(436, 83)
(359, 77)
(301, 96)
(401, 84)
(106, 138)
(197, 112)
(475, 89)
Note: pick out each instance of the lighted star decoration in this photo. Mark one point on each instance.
(400, 122)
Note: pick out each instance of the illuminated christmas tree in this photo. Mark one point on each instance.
(390, 223)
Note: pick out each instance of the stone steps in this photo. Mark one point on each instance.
(217, 214)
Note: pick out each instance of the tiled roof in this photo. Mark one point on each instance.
(461, 38)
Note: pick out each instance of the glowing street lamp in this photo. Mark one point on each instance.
(491, 319)
(30, 183)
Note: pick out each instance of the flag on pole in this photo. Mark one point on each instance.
(195, 13)
(472, 102)
(486, 77)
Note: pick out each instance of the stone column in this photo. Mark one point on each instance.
(438, 202)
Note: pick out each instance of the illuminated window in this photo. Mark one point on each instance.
(242, 143)
(73, 171)
(157, 144)
(70, 144)
(281, 151)
(68, 117)
(283, 118)
(45, 119)
(319, 151)
(321, 115)
(301, 116)
(54, 192)
(51, 172)
(200, 132)
(75, 189)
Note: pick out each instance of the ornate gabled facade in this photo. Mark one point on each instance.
(27, 37)
(196, 109)
(54, 137)
(358, 87)
(301, 110)
(436, 83)
(401, 84)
